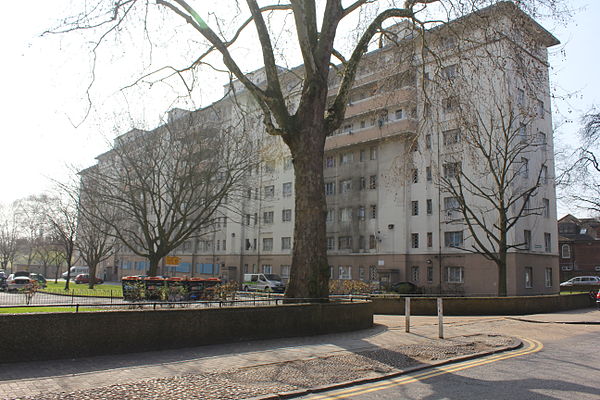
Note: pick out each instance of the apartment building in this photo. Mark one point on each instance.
(418, 103)
(579, 245)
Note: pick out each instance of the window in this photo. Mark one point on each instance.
(373, 153)
(427, 109)
(372, 242)
(330, 215)
(346, 214)
(329, 188)
(547, 242)
(287, 189)
(362, 155)
(373, 182)
(414, 240)
(450, 71)
(527, 239)
(429, 274)
(428, 141)
(543, 139)
(345, 272)
(267, 244)
(451, 170)
(455, 274)
(286, 243)
(361, 273)
(372, 273)
(546, 208)
(269, 191)
(361, 242)
(523, 133)
(414, 273)
(415, 175)
(345, 242)
(548, 277)
(428, 174)
(399, 114)
(429, 204)
(449, 104)
(451, 204)
(346, 158)
(248, 219)
(362, 183)
(451, 137)
(415, 207)
(520, 97)
(267, 269)
(248, 244)
(565, 251)
(361, 213)
(268, 217)
(287, 163)
(540, 109)
(330, 243)
(529, 277)
(453, 239)
(285, 271)
(286, 215)
(330, 162)
(373, 211)
(544, 174)
(347, 128)
(429, 239)
(346, 186)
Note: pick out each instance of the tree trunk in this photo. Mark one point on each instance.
(154, 261)
(93, 267)
(309, 275)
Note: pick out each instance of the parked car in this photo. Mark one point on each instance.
(582, 280)
(76, 271)
(85, 278)
(263, 282)
(20, 280)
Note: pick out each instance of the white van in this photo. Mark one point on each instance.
(76, 271)
(263, 282)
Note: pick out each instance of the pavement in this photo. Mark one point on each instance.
(294, 366)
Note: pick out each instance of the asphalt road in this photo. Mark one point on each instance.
(567, 368)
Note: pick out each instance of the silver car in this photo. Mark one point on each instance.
(582, 280)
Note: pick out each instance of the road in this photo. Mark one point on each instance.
(566, 368)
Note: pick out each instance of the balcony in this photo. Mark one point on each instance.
(387, 130)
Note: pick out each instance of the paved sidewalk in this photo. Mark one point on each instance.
(164, 368)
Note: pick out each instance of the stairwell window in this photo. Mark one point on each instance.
(415, 207)
(527, 239)
(528, 277)
(455, 274)
(414, 240)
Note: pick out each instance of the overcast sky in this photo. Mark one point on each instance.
(43, 86)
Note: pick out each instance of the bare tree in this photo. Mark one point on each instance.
(495, 161)
(47, 253)
(30, 215)
(303, 122)
(581, 178)
(9, 235)
(62, 214)
(155, 190)
(93, 243)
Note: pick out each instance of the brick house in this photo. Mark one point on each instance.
(579, 246)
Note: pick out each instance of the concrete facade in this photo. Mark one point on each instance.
(388, 214)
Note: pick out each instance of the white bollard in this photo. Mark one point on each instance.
(407, 313)
(440, 311)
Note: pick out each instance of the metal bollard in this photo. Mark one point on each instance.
(440, 311)
(407, 314)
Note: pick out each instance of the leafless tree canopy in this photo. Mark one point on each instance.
(303, 30)
(154, 190)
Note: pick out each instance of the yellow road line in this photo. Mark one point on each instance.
(532, 346)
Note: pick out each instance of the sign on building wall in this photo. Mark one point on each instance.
(172, 260)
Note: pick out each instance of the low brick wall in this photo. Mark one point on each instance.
(483, 305)
(26, 337)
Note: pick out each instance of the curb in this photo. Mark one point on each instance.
(555, 322)
(341, 385)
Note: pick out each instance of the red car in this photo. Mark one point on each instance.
(85, 278)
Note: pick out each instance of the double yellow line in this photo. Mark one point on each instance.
(530, 346)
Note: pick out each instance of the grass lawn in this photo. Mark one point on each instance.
(23, 310)
(83, 290)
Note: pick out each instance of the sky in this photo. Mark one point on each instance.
(48, 133)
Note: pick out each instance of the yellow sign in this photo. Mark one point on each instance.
(172, 260)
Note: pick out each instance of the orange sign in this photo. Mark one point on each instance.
(172, 260)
